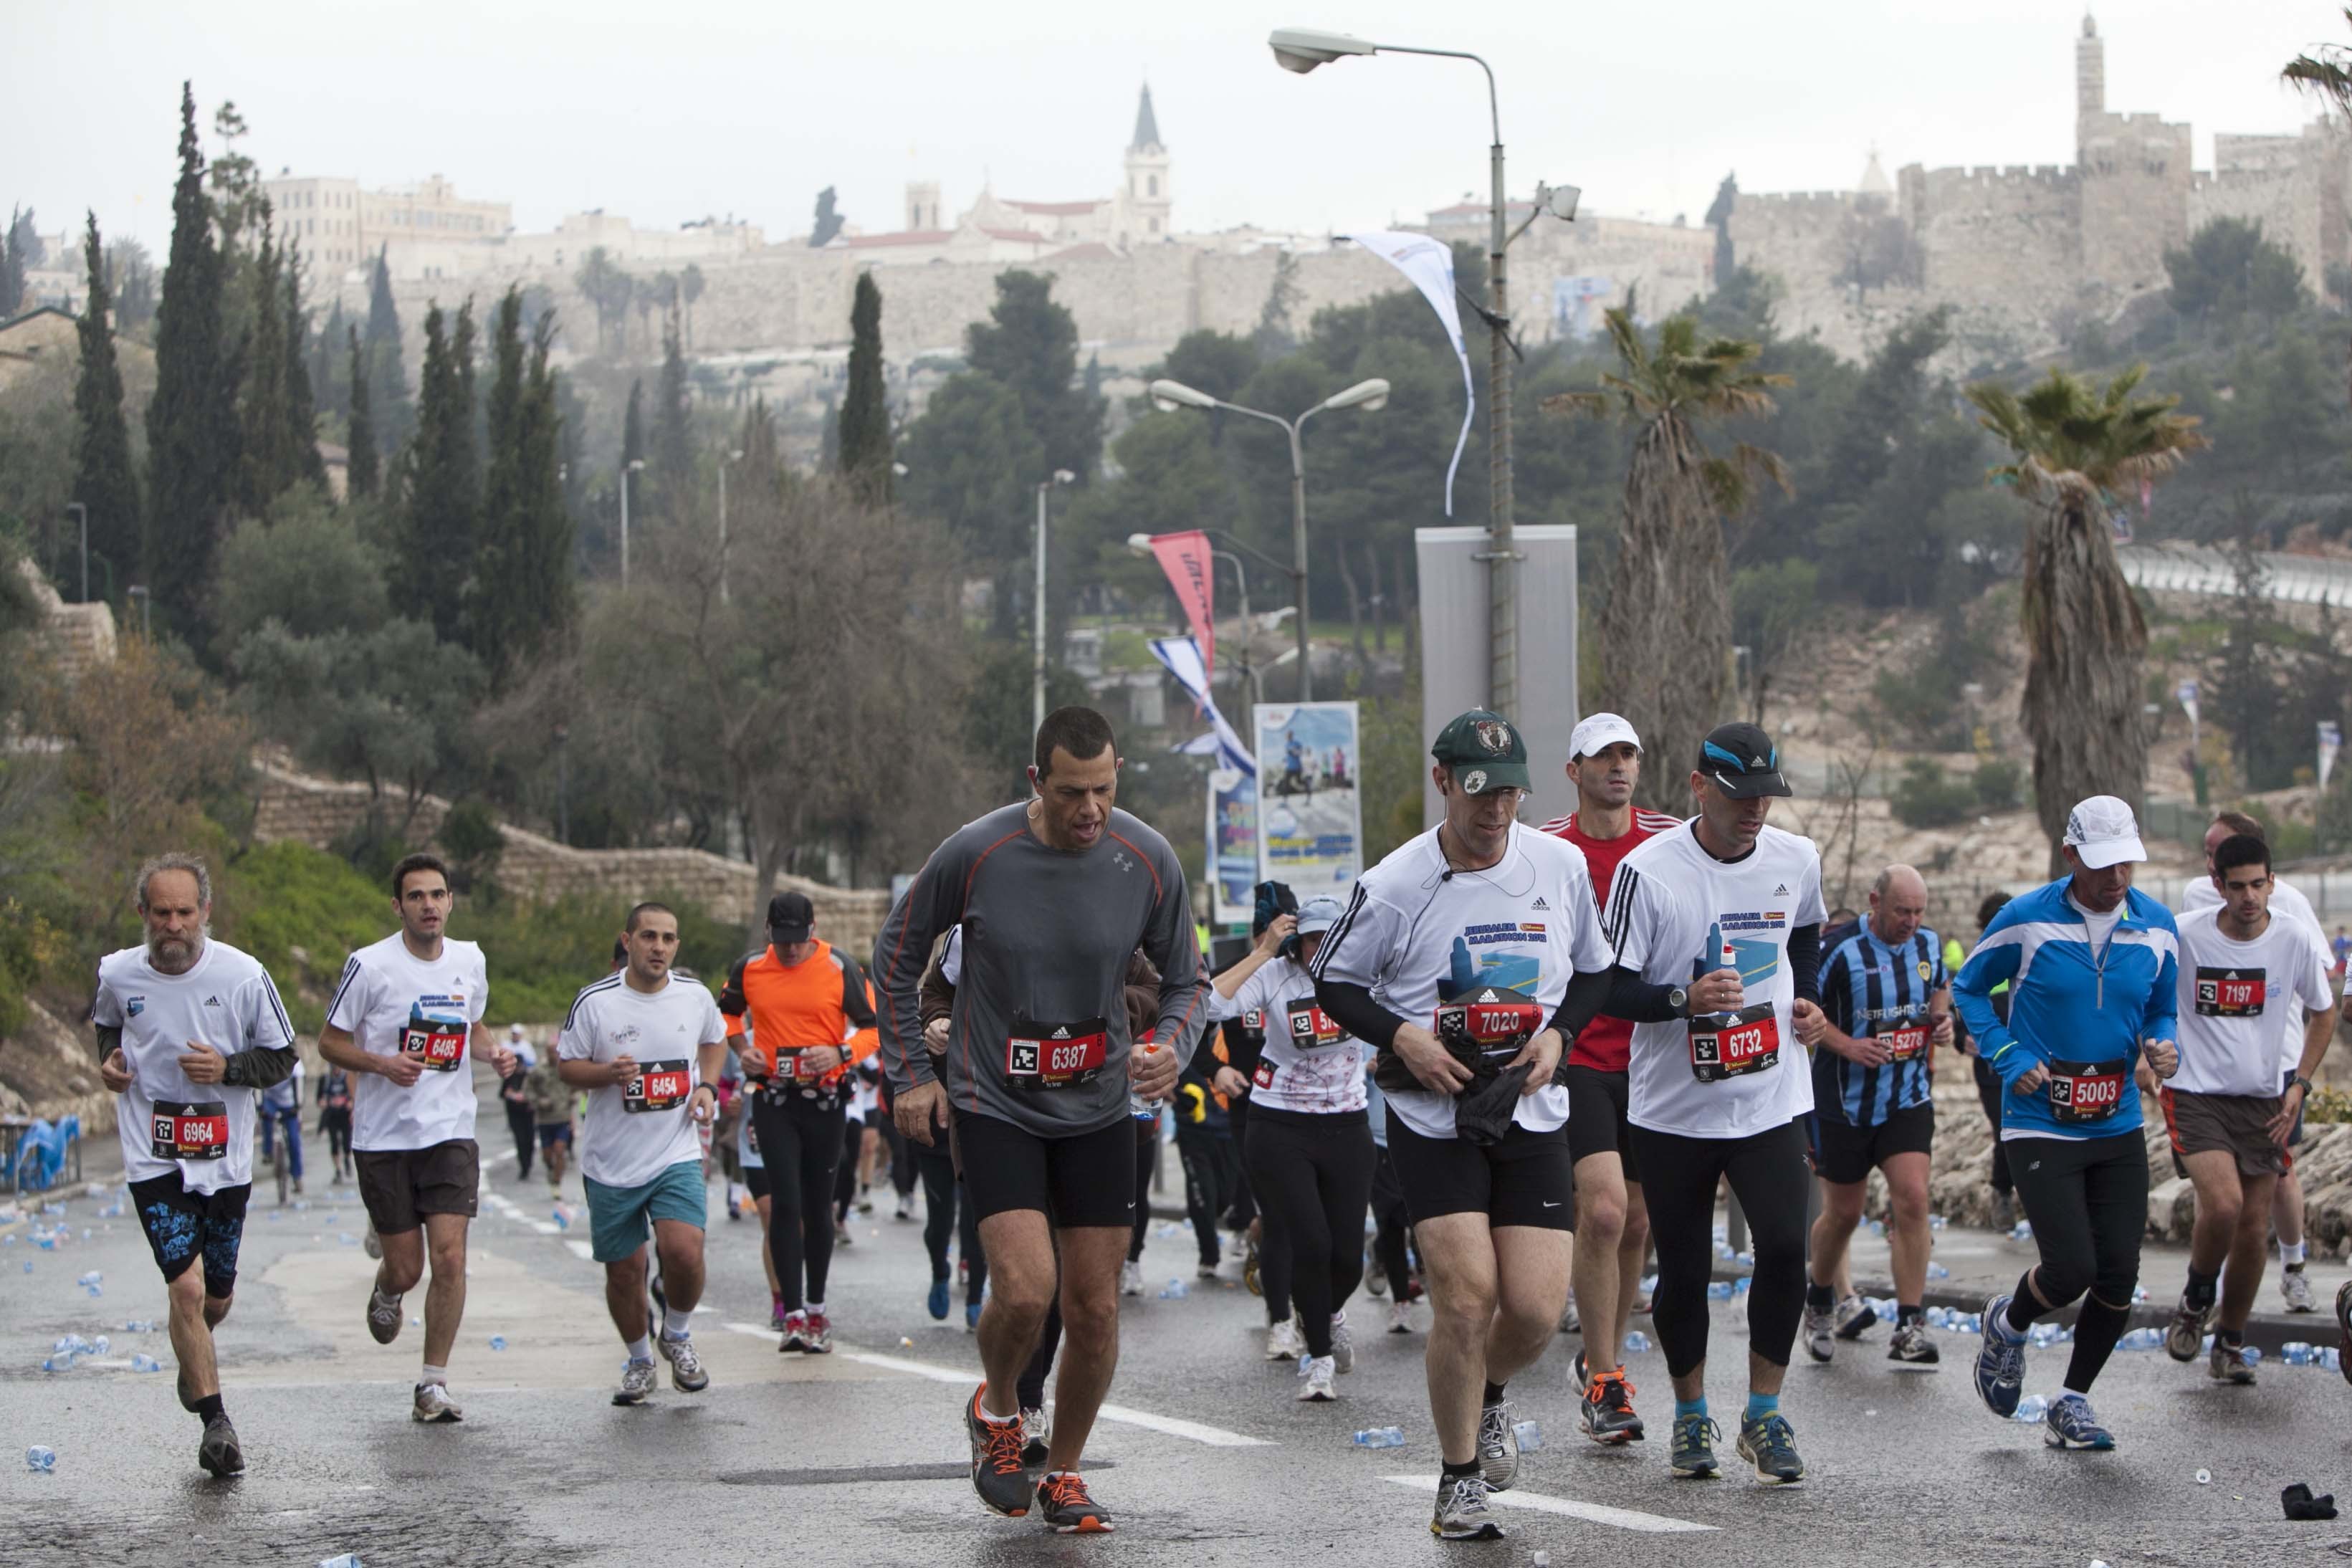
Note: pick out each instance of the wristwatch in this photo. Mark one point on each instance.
(2301, 1083)
(1678, 998)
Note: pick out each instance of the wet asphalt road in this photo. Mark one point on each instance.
(824, 1460)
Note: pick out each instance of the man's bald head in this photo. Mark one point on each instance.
(1898, 905)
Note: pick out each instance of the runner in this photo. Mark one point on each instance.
(402, 1022)
(1309, 1147)
(1468, 958)
(551, 1101)
(1612, 1224)
(514, 1098)
(1393, 1272)
(1987, 1082)
(1720, 921)
(948, 1207)
(2091, 962)
(745, 1143)
(647, 1045)
(335, 1118)
(2240, 966)
(2286, 1214)
(1888, 998)
(189, 1031)
(810, 1016)
(282, 1116)
(1053, 897)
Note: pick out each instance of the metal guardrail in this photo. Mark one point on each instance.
(2200, 569)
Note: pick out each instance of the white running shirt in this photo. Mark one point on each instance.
(639, 1128)
(1310, 1064)
(2235, 1020)
(2288, 901)
(1674, 911)
(390, 1002)
(1417, 934)
(225, 1001)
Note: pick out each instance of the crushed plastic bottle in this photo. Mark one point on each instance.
(2204, 1477)
(1540, 1560)
(2141, 1340)
(1529, 1433)
(2331, 1358)
(2032, 1409)
(2253, 1355)
(499, 1341)
(2021, 1231)
(1937, 1271)
(1936, 1221)
(2294, 1353)
(142, 1362)
(59, 1362)
(1175, 1292)
(1637, 1342)
(95, 1291)
(348, 1560)
(562, 1220)
(416, 1322)
(348, 1239)
(102, 1346)
(29, 1266)
(138, 1326)
(1718, 1291)
(40, 1460)
(2139, 1294)
(90, 1278)
(1939, 1317)
(1378, 1437)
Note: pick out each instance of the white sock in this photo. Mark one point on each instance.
(2291, 1254)
(2082, 1394)
(640, 1349)
(439, 1374)
(675, 1321)
(816, 1308)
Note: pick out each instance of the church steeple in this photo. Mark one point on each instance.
(1147, 128)
(1144, 205)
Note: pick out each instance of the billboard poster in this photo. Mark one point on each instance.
(1233, 846)
(1310, 815)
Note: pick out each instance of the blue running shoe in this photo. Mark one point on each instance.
(2072, 1424)
(1694, 1450)
(939, 1300)
(2000, 1361)
(1770, 1446)
(971, 1318)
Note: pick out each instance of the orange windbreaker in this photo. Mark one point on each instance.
(824, 1000)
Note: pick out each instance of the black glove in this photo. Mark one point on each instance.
(2300, 1504)
(1481, 1113)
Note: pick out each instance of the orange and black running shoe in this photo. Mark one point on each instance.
(1607, 1409)
(1068, 1510)
(997, 1474)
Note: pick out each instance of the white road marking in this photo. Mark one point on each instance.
(1591, 1513)
(548, 1227)
(754, 1329)
(1214, 1436)
(582, 1249)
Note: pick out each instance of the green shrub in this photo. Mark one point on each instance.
(1997, 783)
(1929, 798)
(469, 835)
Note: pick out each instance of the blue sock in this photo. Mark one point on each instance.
(1759, 1405)
(1690, 1408)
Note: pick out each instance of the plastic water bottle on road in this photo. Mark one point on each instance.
(40, 1460)
(2032, 1409)
(1530, 1435)
(1379, 1437)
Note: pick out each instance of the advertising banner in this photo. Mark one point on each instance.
(1310, 817)
(1233, 846)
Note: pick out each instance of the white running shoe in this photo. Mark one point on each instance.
(1400, 1317)
(372, 1246)
(636, 1381)
(1131, 1279)
(1343, 1344)
(383, 1316)
(906, 1209)
(1569, 1323)
(1820, 1333)
(1284, 1341)
(1316, 1387)
(2295, 1286)
(433, 1404)
(686, 1373)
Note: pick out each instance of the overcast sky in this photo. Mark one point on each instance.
(671, 111)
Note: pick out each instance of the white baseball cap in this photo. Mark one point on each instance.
(1596, 730)
(2104, 833)
(514, 1031)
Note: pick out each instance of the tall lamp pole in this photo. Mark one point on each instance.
(724, 463)
(1370, 395)
(1037, 607)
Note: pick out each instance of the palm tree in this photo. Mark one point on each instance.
(2074, 443)
(2327, 74)
(1666, 632)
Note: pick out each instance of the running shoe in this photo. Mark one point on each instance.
(1854, 1317)
(971, 1317)
(2185, 1336)
(795, 1338)
(1130, 1277)
(1207, 1271)
(817, 1336)
(1820, 1332)
(1316, 1389)
(1498, 1446)
(1068, 1510)
(2000, 1361)
(1768, 1444)
(866, 1200)
(1912, 1346)
(1037, 1436)
(636, 1381)
(1462, 1512)
(2295, 1286)
(1343, 1344)
(1284, 1341)
(383, 1316)
(1250, 1280)
(937, 1301)
(433, 1405)
(2072, 1424)
(841, 1234)
(373, 1244)
(1607, 1409)
(1375, 1282)
(2344, 1328)
(1401, 1319)
(906, 1209)
(660, 1296)
(1569, 1323)
(776, 1313)
(2228, 1364)
(997, 1474)
(686, 1373)
(219, 1452)
(1694, 1452)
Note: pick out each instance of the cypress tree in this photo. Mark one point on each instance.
(265, 459)
(494, 597)
(387, 381)
(192, 417)
(865, 416)
(362, 472)
(301, 407)
(543, 529)
(104, 481)
(437, 545)
(673, 456)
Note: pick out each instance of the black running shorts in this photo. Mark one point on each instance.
(1081, 1180)
(1845, 1153)
(182, 1227)
(1527, 1179)
(1596, 1117)
(401, 1186)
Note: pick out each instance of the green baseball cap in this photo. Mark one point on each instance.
(1484, 751)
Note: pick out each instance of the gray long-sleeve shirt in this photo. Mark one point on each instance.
(1047, 937)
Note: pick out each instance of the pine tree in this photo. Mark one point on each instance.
(192, 418)
(673, 456)
(362, 472)
(265, 458)
(301, 407)
(437, 546)
(104, 481)
(387, 379)
(864, 415)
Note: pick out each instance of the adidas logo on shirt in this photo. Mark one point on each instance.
(212, 1001)
(1782, 892)
(1541, 904)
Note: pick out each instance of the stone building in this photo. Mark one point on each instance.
(426, 229)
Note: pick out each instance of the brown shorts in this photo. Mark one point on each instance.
(401, 1186)
(2235, 1124)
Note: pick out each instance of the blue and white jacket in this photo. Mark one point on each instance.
(2071, 1004)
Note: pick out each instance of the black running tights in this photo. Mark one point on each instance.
(1313, 1178)
(2088, 1201)
(799, 1143)
(1769, 1176)
(947, 1209)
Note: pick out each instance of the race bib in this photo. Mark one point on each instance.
(182, 1131)
(657, 1086)
(1056, 1056)
(2230, 993)
(798, 1067)
(438, 1043)
(1904, 1040)
(1727, 1045)
(1263, 1077)
(1311, 1026)
(2086, 1091)
(1492, 1021)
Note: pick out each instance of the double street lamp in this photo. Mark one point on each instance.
(1140, 544)
(1370, 395)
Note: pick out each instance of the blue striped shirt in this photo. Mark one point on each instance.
(1869, 988)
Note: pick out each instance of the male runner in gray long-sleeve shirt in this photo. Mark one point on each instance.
(1052, 896)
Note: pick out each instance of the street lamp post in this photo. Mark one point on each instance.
(1370, 395)
(82, 512)
(142, 597)
(635, 464)
(1301, 49)
(724, 463)
(1140, 544)
(1037, 608)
